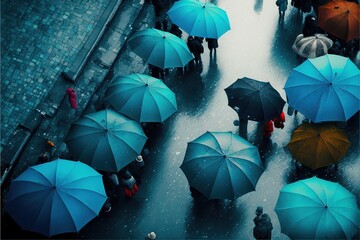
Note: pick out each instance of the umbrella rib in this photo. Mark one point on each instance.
(156, 103)
(217, 143)
(319, 198)
(246, 176)
(32, 192)
(302, 195)
(327, 143)
(175, 43)
(72, 196)
(211, 148)
(122, 140)
(39, 173)
(337, 222)
(76, 180)
(289, 224)
(67, 209)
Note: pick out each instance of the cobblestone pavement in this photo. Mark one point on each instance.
(39, 39)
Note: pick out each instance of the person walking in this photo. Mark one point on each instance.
(114, 184)
(156, 72)
(44, 157)
(310, 26)
(136, 168)
(195, 48)
(279, 121)
(176, 30)
(268, 128)
(282, 6)
(212, 44)
(72, 97)
(263, 225)
(129, 183)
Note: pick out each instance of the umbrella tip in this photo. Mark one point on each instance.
(326, 206)
(164, 37)
(146, 84)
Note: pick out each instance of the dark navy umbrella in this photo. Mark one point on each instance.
(256, 100)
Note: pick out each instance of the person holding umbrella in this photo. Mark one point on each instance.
(282, 5)
(195, 48)
(212, 44)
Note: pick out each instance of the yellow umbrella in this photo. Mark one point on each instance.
(318, 145)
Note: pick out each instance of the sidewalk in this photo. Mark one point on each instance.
(53, 116)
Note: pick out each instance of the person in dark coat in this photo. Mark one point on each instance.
(158, 25)
(136, 168)
(176, 30)
(195, 48)
(282, 6)
(306, 6)
(310, 26)
(263, 225)
(212, 44)
(157, 7)
(44, 157)
(258, 213)
(156, 72)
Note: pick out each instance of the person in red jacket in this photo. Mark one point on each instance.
(279, 121)
(268, 128)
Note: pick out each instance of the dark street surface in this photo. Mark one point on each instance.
(258, 46)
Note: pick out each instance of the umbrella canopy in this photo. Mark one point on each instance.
(312, 46)
(199, 18)
(340, 18)
(317, 209)
(141, 97)
(257, 101)
(325, 88)
(318, 145)
(105, 140)
(159, 48)
(56, 197)
(222, 165)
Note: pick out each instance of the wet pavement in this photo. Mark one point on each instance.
(257, 46)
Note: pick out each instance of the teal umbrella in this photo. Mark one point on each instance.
(222, 165)
(202, 19)
(56, 197)
(141, 97)
(159, 48)
(105, 140)
(325, 88)
(317, 209)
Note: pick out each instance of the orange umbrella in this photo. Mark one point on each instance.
(340, 18)
(318, 145)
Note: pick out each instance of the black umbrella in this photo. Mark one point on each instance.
(256, 100)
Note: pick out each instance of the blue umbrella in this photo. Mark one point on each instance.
(325, 88)
(105, 140)
(199, 19)
(56, 197)
(159, 48)
(222, 165)
(141, 97)
(317, 209)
